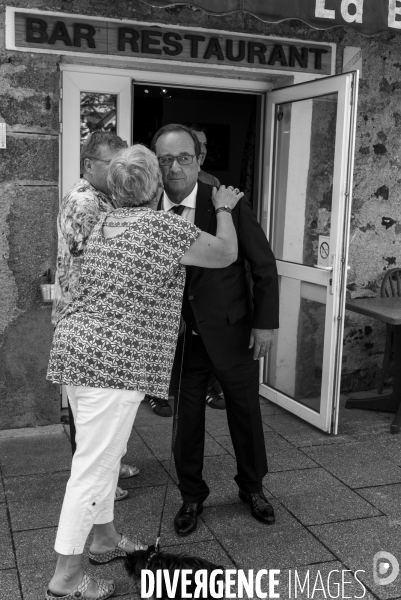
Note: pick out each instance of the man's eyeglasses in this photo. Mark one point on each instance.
(107, 162)
(184, 159)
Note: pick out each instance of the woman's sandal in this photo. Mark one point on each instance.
(120, 494)
(79, 593)
(127, 471)
(118, 552)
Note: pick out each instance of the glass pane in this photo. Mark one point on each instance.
(303, 183)
(295, 362)
(98, 112)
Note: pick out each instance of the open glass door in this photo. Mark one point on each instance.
(308, 174)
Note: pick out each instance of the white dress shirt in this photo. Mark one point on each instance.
(189, 202)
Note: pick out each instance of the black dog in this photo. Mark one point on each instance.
(154, 561)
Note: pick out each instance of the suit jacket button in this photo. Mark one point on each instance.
(190, 297)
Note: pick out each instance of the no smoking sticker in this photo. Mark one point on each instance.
(323, 251)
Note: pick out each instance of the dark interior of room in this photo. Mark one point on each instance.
(229, 121)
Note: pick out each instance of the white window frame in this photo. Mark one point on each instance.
(73, 85)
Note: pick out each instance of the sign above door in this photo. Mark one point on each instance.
(367, 16)
(63, 33)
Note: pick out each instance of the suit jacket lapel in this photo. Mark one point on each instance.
(204, 211)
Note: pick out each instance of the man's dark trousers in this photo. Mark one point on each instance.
(240, 385)
(217, 305)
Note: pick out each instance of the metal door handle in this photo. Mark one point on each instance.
(323, 268)
(330, 270)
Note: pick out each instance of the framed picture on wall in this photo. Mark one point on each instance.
(218, 147)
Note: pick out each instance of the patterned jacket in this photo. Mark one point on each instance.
(80, 210)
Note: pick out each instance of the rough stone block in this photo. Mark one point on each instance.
(30, 113)
(27, 398)
(32, 240)
(28, 71)
(28, 243)
(29, 96)
(30, 157)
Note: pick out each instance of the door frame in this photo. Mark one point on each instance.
(76, 78)
(346, 86)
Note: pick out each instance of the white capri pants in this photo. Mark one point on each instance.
(103, 419)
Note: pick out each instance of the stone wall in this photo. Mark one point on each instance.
(29, 94)
(29, 86)
(375, 244)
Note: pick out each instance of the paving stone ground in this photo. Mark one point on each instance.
(337, 501)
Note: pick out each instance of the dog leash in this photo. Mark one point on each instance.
(173, 437)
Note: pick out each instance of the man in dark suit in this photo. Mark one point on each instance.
(226, 333)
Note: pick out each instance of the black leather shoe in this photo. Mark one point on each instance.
(261, 508)
(186, 520)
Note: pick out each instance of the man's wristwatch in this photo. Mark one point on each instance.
(223, 208)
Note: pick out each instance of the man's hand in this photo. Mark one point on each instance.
(261, 341)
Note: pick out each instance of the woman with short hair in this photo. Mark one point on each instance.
(116, 343)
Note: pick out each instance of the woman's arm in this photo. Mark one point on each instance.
(215, 252)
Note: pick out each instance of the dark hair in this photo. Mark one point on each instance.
(100, 138)
(196, 127)
(176, 127)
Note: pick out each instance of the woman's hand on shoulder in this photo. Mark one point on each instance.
(226, 196)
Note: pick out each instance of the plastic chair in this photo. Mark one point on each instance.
(390, 287)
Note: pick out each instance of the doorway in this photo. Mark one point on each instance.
(271, 144)
(229, 120)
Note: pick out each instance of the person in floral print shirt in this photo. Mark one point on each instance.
(80, 210)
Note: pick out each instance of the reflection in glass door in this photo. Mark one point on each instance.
(302, 217)
(310, 174)
(98, 113)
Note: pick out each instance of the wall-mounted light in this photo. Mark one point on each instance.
(164, 92)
